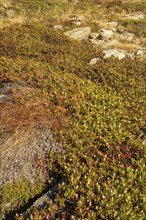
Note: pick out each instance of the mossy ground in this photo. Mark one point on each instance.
(97, 112)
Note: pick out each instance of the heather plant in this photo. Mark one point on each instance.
(96, 112)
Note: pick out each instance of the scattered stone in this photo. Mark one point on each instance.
(94, 61)
(114, 52)
(59, 26)
(105, 34)
(79, 33)
(43, 200)
(97, 43)
(113, 24)
(78, 23)
(110, 43)
(126, 37)
(140, 52)
(94, 36)
(135, 17)
(81, 18)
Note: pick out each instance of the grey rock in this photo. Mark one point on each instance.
(110, 43)
(94, 36)
(78, 23)
(126, 37)
(105, 34)
(94, 61)
(140, 52)
(97, 43)
(79, 33)
(81, 17)
(112, 24)
(135, 16)
(43, 200)
(114, 52)
(59, 26)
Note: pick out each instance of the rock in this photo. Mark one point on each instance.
(94, 36)
(94, 61)
(114, 52)
(126, 37)
(140, 52)
(110, 43)
(78, 23)
(97, 42)
(113, 24)
(43, 200)
(59, 26)
(135, 17)
(79, 33)
(78, 18)
(81, 18)
(105, 34)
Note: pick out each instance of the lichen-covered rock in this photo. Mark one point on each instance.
(59, 26)
(135, 16)
(79, 33)
(94, 61)
(140, 52)
(105, 34)
(114, 52)
(94, 36)
(126, 37)
(112, 24)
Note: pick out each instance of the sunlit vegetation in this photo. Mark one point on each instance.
(97, 113)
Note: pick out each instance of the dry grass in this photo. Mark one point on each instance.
(29, 108)
(129, 47)
(26, 123)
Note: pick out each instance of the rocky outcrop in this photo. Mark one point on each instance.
(111, 39)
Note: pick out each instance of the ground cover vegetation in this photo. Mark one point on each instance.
(96, 112)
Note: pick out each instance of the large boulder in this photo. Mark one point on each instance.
(79, 33)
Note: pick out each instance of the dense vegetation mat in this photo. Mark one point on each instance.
(95, 112)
